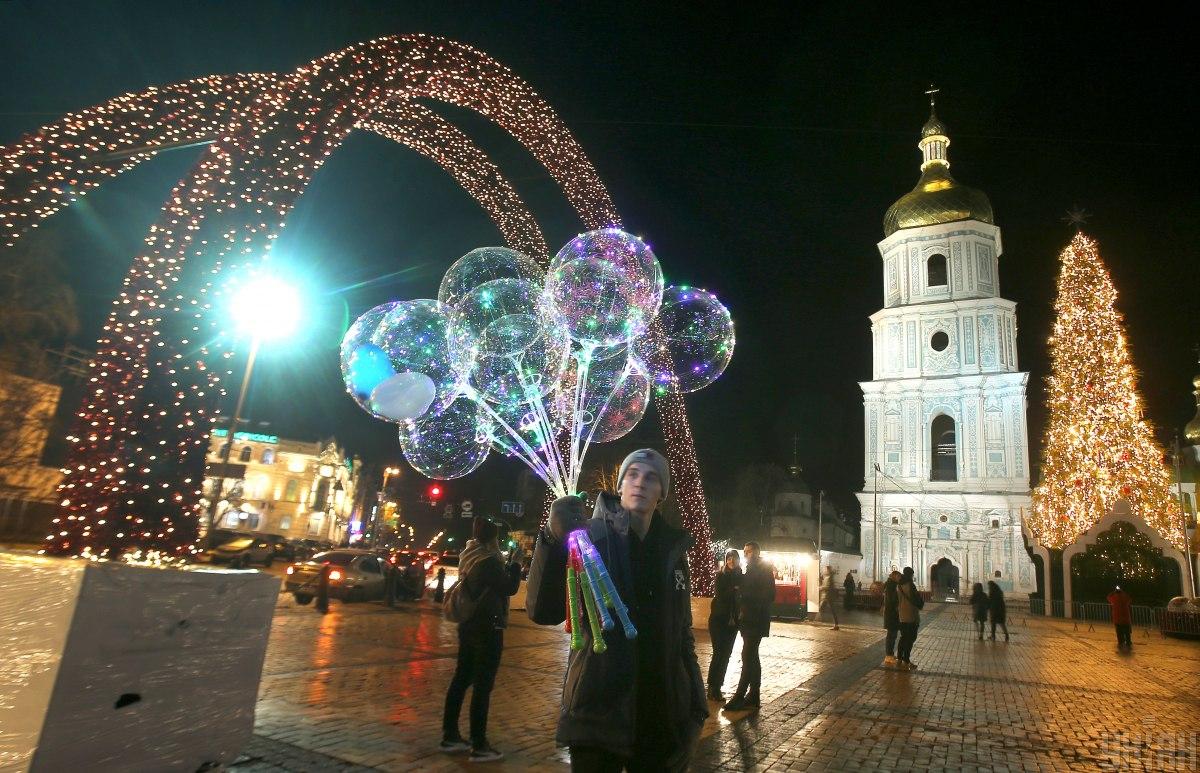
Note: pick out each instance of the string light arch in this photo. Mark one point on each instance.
(136, 460)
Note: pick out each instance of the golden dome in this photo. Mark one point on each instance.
(938, 197)
(1191, 430)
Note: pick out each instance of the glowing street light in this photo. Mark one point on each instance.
(267, 309)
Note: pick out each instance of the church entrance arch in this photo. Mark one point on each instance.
(1122, 555)
(943, 577)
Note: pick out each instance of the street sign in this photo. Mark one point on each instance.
(449, 512)
(221, 470)
(467, 506)
(512, 508)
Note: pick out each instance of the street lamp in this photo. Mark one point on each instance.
(388, 472)
(267, 309)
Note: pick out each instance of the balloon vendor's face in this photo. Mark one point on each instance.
(641, 489)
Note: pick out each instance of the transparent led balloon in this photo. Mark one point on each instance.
(483, 265)
(616, 399)
(608, 284)
(450, 444)
(509, 340)
(415, 336)
(364, 364)
(698, 341)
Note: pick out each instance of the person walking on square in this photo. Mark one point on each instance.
(488, 583)
(722, 623)
(848, 588)
(891, 617)
(827, 597)
(979, 608)
(755, 599)
(1122, 616)
(638, 705)
(997, 609)
(909, 612)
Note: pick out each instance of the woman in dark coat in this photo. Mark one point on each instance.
(755, 598)
(997, 609)
(979, 607)
(891, 617)
(722, 622)
(848, 586)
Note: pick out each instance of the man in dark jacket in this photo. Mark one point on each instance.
(755, 599)
(640, 704)
(489, 582)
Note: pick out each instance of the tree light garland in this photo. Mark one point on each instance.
(137, 449)
(1097, 448)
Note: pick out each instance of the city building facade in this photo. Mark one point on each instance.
(293, 488)
(947, 453)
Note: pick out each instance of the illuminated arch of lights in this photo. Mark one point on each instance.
(136, 462)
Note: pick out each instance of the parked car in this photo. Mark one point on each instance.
(240, 552)
(282, 548)
(354, 575)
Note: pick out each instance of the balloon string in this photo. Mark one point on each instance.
(583, 362)
(549, 452)
(531, 459)
(552, 451)
(600, 413)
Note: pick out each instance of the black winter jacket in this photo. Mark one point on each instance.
(756, 596)
(488, 574)
(599, 697)
(724, 611)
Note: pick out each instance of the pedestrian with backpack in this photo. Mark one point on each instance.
(909, 610)
(478, 602)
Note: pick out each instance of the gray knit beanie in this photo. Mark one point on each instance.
(655, 461)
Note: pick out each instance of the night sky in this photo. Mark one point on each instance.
(756, 152)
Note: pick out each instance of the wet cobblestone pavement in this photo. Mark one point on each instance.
(361, 689)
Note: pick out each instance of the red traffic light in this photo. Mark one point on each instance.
(435, 492)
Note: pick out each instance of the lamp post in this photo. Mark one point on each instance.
(388, 472)
(1183, 519)
(261, 299)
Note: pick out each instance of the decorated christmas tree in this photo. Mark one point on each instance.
(1097, 448)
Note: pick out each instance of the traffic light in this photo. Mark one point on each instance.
(435, 494)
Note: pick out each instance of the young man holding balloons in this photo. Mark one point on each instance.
(628, 703)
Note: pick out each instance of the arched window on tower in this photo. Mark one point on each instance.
(944, 462)
(245, 455)
(936, 269)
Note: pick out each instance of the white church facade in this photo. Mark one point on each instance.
(947, 450)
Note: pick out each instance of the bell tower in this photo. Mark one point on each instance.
(947, 452)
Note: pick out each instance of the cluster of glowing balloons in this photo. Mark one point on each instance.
(535, 364)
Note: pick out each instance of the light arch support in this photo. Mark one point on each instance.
(269, 135)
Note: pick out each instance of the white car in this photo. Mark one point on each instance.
(449, 563)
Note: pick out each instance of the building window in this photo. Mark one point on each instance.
(231, 519)
(895, 520)
(224, 449)
(997, 574)
(995, 457)
(893, 457)
(943, 518)
(936, 268)
(268, 456)
(253, 521)
(943, 464)
(291, 492)
(244, 456)
(995, 523)
(314, 523)
(285, 522)
(939, 341)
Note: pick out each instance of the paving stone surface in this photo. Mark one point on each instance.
(361, 688)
